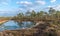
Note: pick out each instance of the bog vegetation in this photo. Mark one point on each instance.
(51, 27)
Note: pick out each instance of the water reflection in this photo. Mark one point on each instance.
(25, 24)
(11, 25)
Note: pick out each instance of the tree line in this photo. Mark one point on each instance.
(52, 14)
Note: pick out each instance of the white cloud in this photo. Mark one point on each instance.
(4, 3)
(53, 1)
(41, 2)
(24, 2)
(49, 6)
(2, 12)
(19, 9)
(8, 12)
(57, 7)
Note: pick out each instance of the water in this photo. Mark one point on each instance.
(11, 25)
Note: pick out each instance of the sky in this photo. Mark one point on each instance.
(12, 7)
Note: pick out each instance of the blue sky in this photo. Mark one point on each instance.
(11, 7)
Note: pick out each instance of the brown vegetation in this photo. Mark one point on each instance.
(45, 29)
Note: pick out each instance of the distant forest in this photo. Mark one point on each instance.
(52, 15)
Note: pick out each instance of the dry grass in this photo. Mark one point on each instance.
(40, 30)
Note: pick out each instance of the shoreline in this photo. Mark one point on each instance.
(1, 22)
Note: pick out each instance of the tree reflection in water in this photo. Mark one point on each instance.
(26, 24)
